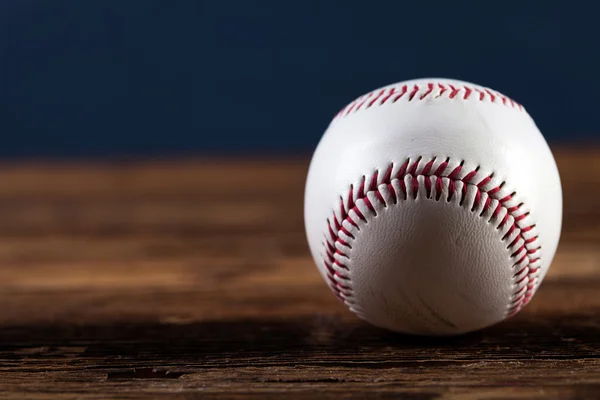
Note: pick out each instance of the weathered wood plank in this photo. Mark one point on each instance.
(182, 279)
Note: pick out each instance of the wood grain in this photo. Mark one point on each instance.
(192, 279)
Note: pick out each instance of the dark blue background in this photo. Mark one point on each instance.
(106, 78)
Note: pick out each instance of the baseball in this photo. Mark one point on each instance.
(433, 207)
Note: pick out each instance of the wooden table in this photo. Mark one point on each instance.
(185, 279)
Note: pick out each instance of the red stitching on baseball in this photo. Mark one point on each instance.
(429, 90)
(484, 181)
(403, 169)
(373, 184)
(380, 198)
(427, 167)
(346, 232)
(453, 92)
(369, 205)
(392, 192)
(481, 94)
(515, 208)
(413, 93)
(375, 99)
(428, 186)
(477, 200)
(404, 89)
(528, 256)
(336, 223)
(413, 169)
(349, 219)
(468, 91)
(423, 91)
(364, 101)
(392, 91)
(440, 170)
(388, 174)
(516, 253)
(469, 176)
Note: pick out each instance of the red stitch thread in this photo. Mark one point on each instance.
(373, 184)
(504, 220)
(450, 189)
(392, 192)
(514, 242)
(464, 194)
(469, 176)
(439, 188)
(522, 279)
(359, 214)
(497, 210)
(440, 170)
(344, 292)
(468, 91)
(453, 92)
(492, 95)
(413, 169)
(481, 94)
(331, 233)
(375, 99)
(429, 90)
(477, 199)
(402, 93)
(349, 219)
(520, 291)
(494, 191)
(413, 93)
(388, 174)
(454, 174)
(403, 169)
(484, 181)
(427, 167)
(339, 253)
(428, 186)
(330, 247)
(516, 253)
(352, 105)
(361, 189)
(380, 197)
(336, 223)
(343, 242)
(346, 232)
(369, 204)
(385, 98)
(403, 189)
(350, 204)
(342, 209)
(342, 276)
(510, 231)
(415, 187)
(364, 101)
(381, 97)
(486, 206)
(515, 208)
(520, 217)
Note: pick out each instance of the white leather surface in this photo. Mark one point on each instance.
(425, 266)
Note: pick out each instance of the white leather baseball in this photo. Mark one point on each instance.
(433, 207)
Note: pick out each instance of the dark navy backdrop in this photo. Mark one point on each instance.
(100, 77)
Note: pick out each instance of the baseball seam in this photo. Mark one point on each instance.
(431, 90)
(437, 179)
